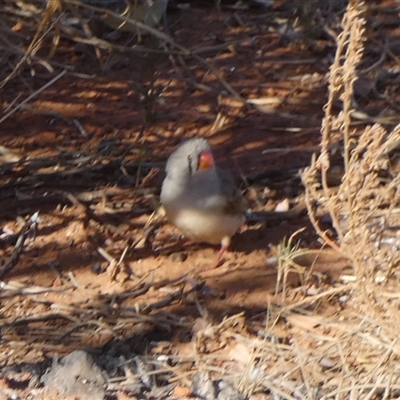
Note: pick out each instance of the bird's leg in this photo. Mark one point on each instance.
(224, 245)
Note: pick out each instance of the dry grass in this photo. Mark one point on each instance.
(363, 211)
(364, 207)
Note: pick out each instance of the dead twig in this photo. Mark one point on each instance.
(29, 227)
(33, 95)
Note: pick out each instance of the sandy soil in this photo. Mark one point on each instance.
(95, 185)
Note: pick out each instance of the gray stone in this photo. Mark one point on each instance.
(77, 375)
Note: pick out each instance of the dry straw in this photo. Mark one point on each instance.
(364, 212)
(365, 206)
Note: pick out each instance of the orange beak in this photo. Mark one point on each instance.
(206, 160)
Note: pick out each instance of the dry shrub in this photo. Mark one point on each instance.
(365, 206)
(364, 212)
(354, 353)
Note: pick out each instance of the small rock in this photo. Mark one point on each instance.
(178, 257)
(97, 268)
(203, 386)
(227, 391)
(76, 375)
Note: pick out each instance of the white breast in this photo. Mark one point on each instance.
(204, 226)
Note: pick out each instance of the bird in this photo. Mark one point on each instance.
(201, 199)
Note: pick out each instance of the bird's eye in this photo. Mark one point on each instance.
(190, 159)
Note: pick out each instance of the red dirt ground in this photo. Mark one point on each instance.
(134, 111)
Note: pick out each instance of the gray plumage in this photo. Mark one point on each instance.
(204, 203)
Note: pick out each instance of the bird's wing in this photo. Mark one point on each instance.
(235, 201)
